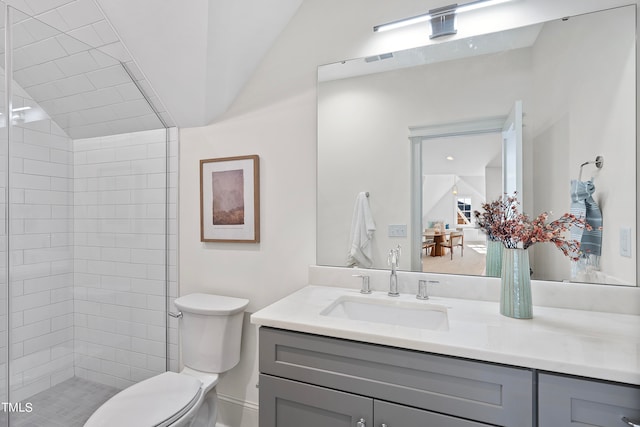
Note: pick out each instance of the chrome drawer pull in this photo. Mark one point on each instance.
(361, 423)
(632, 423)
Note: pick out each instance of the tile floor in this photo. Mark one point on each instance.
(68, 404)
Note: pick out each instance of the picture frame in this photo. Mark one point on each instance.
(230, 199)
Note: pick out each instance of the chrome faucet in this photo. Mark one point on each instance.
(366, 287)
(393, 260)
(422, 289)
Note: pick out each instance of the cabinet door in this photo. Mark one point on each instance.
(286, 403)
(565, 401)
(392, 415)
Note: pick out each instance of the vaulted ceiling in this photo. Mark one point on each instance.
(190, 58)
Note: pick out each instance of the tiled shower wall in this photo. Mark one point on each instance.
(119, 295)
(41, 248)
(99, 315)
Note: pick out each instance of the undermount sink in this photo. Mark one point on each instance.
(419, 315)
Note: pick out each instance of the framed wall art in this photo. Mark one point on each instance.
(230, 199)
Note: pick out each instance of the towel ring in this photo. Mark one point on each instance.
(599, 162)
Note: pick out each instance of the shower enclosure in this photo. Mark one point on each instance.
(88, 178)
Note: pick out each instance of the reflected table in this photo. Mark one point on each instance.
(439, 239)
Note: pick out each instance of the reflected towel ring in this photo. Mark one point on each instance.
(599, 162)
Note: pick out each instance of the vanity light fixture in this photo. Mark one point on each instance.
(442, 18)
(449, 157)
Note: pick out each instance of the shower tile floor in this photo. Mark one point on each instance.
(68, 404)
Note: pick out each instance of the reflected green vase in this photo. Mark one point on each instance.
(493, 260)
(515, 294)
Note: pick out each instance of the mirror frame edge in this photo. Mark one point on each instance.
(416, 203)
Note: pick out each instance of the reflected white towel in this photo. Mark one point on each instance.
(362, 228)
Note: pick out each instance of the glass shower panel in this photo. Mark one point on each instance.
(40, 221)
(87, 223)
(4, 254)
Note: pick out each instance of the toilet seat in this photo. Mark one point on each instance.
(155, 402)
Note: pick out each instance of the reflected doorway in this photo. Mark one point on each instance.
(459, 173)
(462, 165)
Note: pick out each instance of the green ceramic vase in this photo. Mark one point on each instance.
(493, 260)
(515, 295)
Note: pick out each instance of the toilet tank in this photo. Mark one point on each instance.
(210, 331)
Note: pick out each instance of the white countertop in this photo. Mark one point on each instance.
(585, 343)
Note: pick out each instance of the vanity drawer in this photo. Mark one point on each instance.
(478, 391)
(567, 401)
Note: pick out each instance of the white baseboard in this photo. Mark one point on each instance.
(236, 413)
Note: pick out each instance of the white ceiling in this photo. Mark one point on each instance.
(198, 54)
(471, 154)
(191, 59)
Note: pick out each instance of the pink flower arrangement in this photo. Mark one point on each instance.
(503, 222)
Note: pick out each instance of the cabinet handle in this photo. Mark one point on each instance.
(631, 423)
(361, 423)
(383, 425)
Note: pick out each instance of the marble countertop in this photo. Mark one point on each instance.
(578, 342)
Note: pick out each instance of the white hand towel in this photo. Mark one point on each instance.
(362, 228)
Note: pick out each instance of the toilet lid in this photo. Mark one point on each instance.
(207, 304)
(152, 402)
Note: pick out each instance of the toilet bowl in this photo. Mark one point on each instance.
(210, 328)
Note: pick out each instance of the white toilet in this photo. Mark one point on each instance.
(210, 329)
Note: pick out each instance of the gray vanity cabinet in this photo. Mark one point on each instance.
(314, 380)
(286, 403)
(567, 401)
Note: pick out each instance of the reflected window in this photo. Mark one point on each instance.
(464, 211)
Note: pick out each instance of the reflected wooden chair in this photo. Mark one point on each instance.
(456, 239)
(428, 241)
(429, 244)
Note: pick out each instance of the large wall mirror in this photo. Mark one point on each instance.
(422, 133)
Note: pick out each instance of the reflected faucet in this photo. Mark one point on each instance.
(393, 260)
